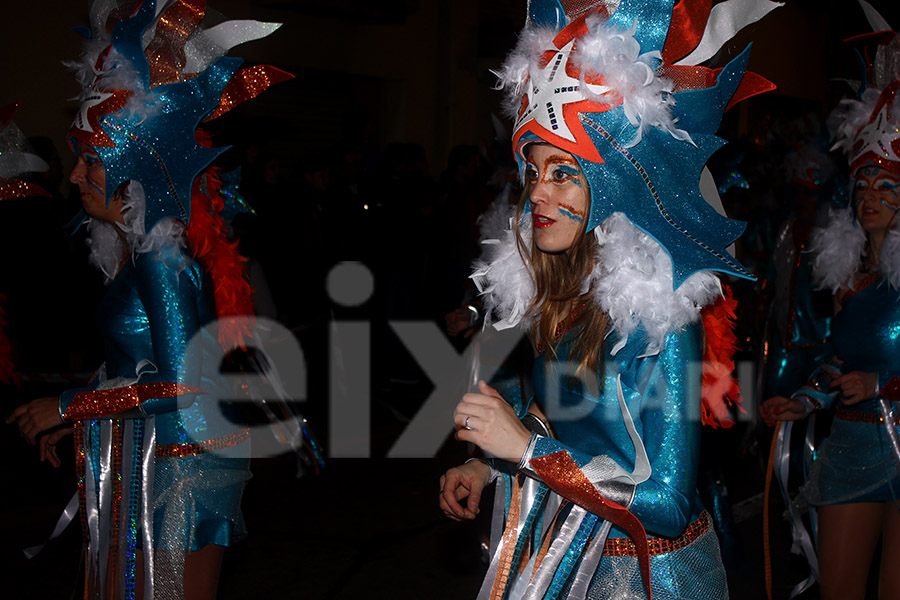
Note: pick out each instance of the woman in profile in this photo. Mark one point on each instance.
(607, 264)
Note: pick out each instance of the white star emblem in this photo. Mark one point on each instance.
(549, 90)
(876, 137)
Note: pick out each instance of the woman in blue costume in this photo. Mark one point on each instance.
(606, 264)
(162, 459)
(854, 480)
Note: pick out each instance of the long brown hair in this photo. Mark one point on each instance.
(558, 281)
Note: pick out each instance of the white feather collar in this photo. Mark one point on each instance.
(839, 248)
(632, 283)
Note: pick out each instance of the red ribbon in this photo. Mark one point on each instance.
(563, 476)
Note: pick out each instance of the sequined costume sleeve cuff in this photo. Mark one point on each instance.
(122, 401)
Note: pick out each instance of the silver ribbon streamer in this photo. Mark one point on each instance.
(589, 563)
(802, 541)
(148, 466)
(65, 518)
(886, 408)
(544, 577)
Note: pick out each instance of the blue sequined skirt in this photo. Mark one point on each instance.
(854, 464)
(197, 501)
(694, 572)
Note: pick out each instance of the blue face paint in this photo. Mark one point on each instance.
(569, 211)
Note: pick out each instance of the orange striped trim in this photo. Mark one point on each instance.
(103, 403)
(659, 545)
(219, 443)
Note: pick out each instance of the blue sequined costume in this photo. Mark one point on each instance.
(662, 395)
(152, 311)
(855, 463)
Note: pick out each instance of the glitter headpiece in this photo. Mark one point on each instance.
(867, 128)
(152, 72)
(618, 86)
(16, 160)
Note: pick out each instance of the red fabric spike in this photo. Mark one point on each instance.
(752, 84)
(686, 28)
(246, 84)
(209, 244)
(689, 77)
(720, 389)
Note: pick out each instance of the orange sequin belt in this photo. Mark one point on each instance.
(659, 545)
(858, 416)
(219, 443)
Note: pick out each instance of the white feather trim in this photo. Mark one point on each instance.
(848, 117)
(503, 279)
(518, 66)
(632, 283)
(837, 249)
(107, 244)
(889, 258)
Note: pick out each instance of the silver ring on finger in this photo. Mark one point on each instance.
(466, 426)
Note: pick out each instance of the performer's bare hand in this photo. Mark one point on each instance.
(855, 386)
(781, 408)
(492, 423)
(47, 445)
(36, 416)
(460, 482)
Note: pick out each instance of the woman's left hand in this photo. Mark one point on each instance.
(493, 424)
(855, 386)
(38, 415)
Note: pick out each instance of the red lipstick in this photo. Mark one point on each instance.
(542, 222)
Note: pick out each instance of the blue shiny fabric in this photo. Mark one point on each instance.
(662, 393)
(855, 463)
(151, 311)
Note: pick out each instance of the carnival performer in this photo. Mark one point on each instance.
(162, 460)
(799, 321)
(607, 263)
(853, 482)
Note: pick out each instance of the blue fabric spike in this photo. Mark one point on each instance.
(127, 35)
(653, 18)
(701, 110)
(144, 143)
(662, 175)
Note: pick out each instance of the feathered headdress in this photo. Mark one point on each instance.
(619, 86)
(152, 72)
(867, 128)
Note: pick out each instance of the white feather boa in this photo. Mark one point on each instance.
(839, 248)
(107, 245)
(632, 283)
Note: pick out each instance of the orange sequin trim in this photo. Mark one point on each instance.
(564, 326)
(219, 443)
(104, 403)
(246, 84)
(861, 417)
(659, 545)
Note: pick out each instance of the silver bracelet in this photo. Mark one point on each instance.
(59, 409)
(529, 450)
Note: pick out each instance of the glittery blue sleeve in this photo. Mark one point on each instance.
(662, 394)
(169, 295)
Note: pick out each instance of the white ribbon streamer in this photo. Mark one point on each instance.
(725, 20)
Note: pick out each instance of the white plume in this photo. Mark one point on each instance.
(837, 250)
(889, 258)
(106, 243)
(633, 285)
(503, 279)
(521, 63)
